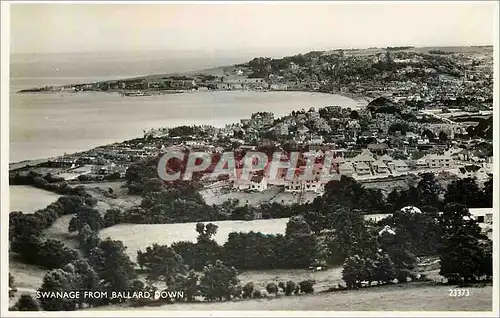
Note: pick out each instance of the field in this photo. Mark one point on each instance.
(28, 199)
(407, 297)
(123, 201)
(270, 195)
(139, 236)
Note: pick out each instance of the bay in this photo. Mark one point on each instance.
(50, 124)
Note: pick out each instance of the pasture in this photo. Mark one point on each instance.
(401, 297)
(139, 236)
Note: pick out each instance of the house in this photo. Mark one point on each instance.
(281, 129)
(258, 183)
(380, 167)
(302, 130)
(278, 87)
(376, 217)
(484, 217)
(365, 157)
(362, 168)
(468, 171)
(378, 148)
(180, 83)
(346, 169)
(316, 140)
(293, 186)
(386, 159)
(438, 161)
(400, 166)
(317, 186)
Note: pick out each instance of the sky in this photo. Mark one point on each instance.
(272, 28)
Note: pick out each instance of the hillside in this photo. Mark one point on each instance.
(326, 71)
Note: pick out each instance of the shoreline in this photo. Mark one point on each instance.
(360, 100)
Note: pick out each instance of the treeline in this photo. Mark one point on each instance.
(428, 192)
(47, 182)
(25, 232)
(97, 266)
(180, 201)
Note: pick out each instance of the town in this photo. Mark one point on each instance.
(413, 160)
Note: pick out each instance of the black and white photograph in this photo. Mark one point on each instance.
(274, 158)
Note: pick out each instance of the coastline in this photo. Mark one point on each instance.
(360, 100)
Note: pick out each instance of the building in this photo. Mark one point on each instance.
(278, 87)
(365, 157)
(362, 169)
(435, 161)
(386, 159)
(258, 183)
(399, 166)
(484, 218)
(180, 83)
(346, 169)
(376, 217)
(293, 186)
(380, 167)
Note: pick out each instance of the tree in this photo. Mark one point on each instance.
(384, 269)
(465, 191)
(398, 250)
(350, 235)
(290, 287)
(88, 239)
(419, 230)
(28, 248)
(443, 137)
(112, 264)
(306, 286)
(429, 134)
(429, 190)
(162, 263)
(208, 251)
(218, 280)
(86, 215)
(86, 279)
(488, 192)
(352, 272)
(272, 288)
(248, 290)
(54, 281)
(460, 252)
(26, 303)
(300, 243)
(54, 254)
(112, 217)
(190, 285)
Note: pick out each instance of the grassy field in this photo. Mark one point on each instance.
(139, 236)
(28, 199)
(122, 201)
(403, 297)
(272, 194)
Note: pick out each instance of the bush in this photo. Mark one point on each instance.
(218, 281)
(248, 290)
(26, 303)
(306, 286)
(290, 287)
(112, 217)
(282, 286)
(272, 288)
(257, 294)
(404, 274)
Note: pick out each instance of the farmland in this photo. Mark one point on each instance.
(139, 236)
